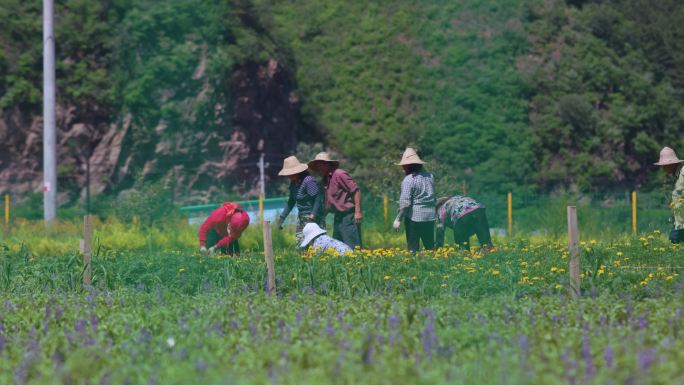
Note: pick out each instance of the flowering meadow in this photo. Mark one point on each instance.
(168, 315)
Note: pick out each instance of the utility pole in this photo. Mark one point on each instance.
(49, 130)
(262, 183)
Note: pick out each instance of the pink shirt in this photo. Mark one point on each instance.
(339, 192)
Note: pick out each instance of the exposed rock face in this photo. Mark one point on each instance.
(260, 114)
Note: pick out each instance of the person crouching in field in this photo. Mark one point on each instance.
(222, 229)
(305, 192)
(416, 203)
(673, 167)
(342, 198)
(465, 217)
(314, 237)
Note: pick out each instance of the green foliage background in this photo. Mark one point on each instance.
(537, 95)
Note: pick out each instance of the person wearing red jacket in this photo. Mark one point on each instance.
(221, 230)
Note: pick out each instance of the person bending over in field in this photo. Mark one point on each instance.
(465, 217)
(674, 168)
(342, 198)
(305, 192)
(316, 238)
(221, 230)
(416, 203)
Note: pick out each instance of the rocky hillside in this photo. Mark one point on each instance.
(535, 94)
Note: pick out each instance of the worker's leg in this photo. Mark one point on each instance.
(348, 231)
(482, 228)
(412, 240)
(427, 234)
(234, 247)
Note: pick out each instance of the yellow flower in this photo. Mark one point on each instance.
(387, 277)
(523, 263)
(554, 269)
(495, 272)
(181, 270)
(413, 277)
(443, 285)
(619, 254)
(669, 278)
(558, 286)
(593, 242)
(294, 279)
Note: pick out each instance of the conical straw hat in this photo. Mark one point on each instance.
(410, 157)
(668, 156)
(292, 166)
(323, 157)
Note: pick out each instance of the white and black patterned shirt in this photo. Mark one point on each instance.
(417, 199)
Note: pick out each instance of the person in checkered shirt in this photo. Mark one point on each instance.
(416, 203)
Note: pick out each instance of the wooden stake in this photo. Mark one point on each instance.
(464, 187)
(573, 248)
(510, 214)
(634, 213)
(268, 254)
(385, 207)
(86, 249)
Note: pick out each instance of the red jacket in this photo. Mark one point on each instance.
(219, 221)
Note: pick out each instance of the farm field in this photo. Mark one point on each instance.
(168, 315)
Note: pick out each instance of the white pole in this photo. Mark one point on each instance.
(49, 132)
(262, 182)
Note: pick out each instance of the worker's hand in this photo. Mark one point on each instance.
(204, 250)
(311, 217)
(212, 250)
(396, 225)
(279, 223)
(358, 217)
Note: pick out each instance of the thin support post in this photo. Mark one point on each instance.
(268, 254)
(573, 249)
(464, 188)
(261, 209)
(87, 250)
(634, 213)
(49, 122)
(510, 214)
(385, 207)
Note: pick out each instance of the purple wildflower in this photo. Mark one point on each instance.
(647, 358)
(586, 354)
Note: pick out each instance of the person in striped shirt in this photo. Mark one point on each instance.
(466, 217)
(305, 193)
(416, 203)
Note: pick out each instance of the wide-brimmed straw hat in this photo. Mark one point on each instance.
(668, 156)
(324, 157)
(292, 166)
(410, 157)
(310, 231)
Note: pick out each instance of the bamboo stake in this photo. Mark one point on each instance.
(385, 207)
(261, 209)
(573, 248)
(7, 213)
(268, 254)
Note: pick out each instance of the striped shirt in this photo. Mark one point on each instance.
(417, 198)
(307, 195)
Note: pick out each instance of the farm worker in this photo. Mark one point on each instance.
(317, 239)
(305, 192)
(416, 202)
(342, 199)
(673, 167)
(465, 217)
(221, 230)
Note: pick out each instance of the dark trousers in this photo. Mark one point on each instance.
(346, 229)
(677, 236)
(213, 238)
(417, 231)
(473, 223)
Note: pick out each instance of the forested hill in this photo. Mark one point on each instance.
(539, 94)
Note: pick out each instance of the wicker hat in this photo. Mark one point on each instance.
(668, 156)
(310, 232)
(323, 157)
(410, 157)
(292, 166)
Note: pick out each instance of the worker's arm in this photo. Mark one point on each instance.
(318, 205)
(203, 230)
(404, 199)
(288, 207)
(358, 217)
(224, 242)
